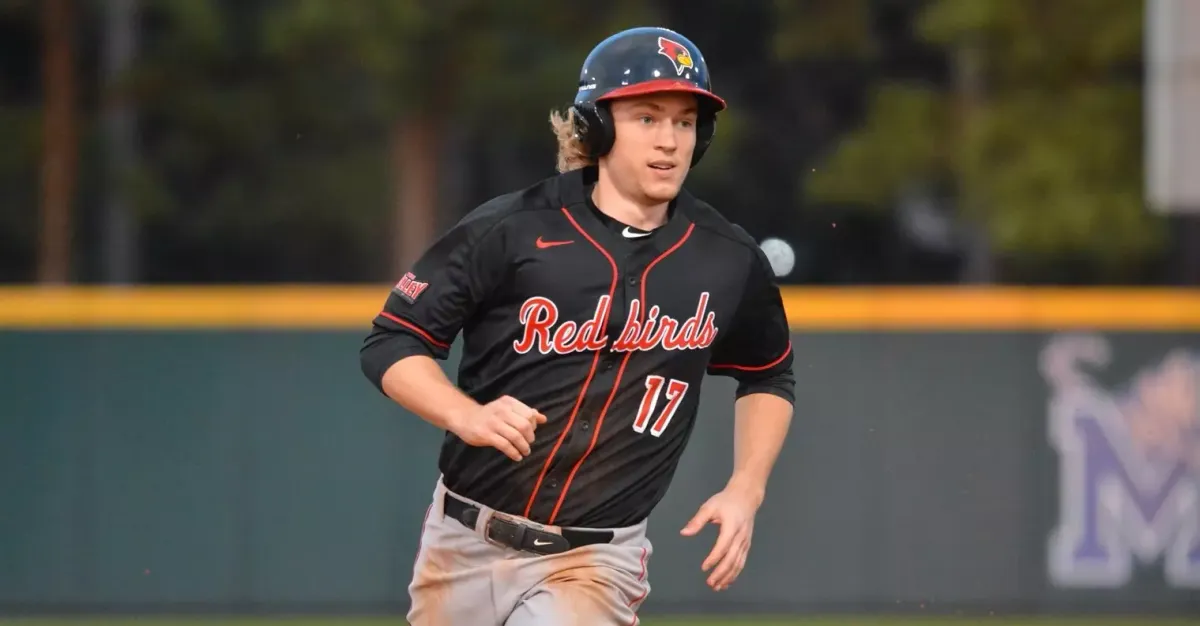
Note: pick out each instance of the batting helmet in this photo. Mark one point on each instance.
(636, 62)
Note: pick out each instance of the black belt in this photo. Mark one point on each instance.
(520, 536)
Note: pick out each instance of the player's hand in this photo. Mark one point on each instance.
(505, 424)
(733, 510)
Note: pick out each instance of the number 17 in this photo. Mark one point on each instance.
(654, 384)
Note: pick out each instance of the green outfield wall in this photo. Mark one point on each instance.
(228, 470)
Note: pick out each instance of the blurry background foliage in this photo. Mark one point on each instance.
(916, 141)
(1036, 125)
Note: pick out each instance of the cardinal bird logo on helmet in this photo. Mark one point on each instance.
(679, 55)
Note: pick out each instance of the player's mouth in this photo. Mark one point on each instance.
(662, 166)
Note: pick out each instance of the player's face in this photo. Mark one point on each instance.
(655, 138)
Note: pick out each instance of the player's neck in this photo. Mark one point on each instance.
(630, 211)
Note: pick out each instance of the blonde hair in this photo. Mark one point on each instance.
(572, 154)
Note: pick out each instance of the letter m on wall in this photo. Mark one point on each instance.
(1115, 505)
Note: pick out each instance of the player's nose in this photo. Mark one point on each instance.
(665, 139)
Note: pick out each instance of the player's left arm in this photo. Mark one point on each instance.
(758, 355)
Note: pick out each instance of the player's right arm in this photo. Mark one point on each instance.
(418, 384)
(420, 319)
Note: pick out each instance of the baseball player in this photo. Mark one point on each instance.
(590, 305)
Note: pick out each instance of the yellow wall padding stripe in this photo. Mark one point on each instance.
(857, 308)
(917, 308)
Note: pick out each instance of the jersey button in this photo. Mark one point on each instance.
(585, 425)
(633, 280)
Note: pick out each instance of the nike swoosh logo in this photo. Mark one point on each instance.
(551, 244)
(539, 542)
(629, 234)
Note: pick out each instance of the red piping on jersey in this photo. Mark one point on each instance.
(612, 290)
(617, 383)
(757, 368)
(415, 329)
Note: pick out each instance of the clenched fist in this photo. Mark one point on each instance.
(504, 423)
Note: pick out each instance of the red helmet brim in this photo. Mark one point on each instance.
(661, 86)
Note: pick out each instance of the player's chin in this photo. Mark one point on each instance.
(661, 190)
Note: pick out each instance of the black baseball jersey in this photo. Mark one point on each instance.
(606, 330)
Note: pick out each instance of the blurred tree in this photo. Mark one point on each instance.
(245, 170)
(21, 128)
(432, 65)
(18, 192)
(60, 150)
(1038, 127)
(326, 124)
(808, 29)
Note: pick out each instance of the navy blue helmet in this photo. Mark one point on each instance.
(636, 62)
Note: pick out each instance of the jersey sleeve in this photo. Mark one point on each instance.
(429, 305)
(756, 351)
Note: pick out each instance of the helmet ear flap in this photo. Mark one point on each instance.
(594, 127)
(706, 127)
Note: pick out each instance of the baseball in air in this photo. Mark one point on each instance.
(780, 254)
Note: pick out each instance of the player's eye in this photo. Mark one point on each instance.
(646, 119)
(686, 123)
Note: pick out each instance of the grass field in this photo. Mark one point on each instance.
(648, 621)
